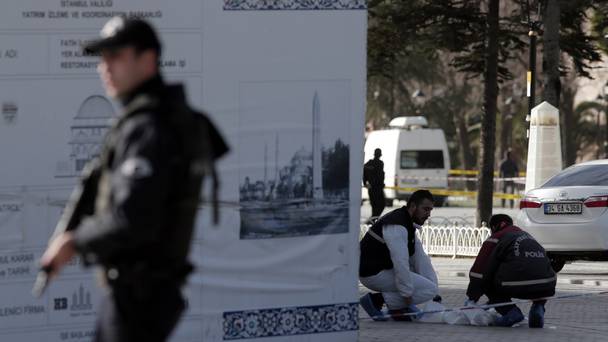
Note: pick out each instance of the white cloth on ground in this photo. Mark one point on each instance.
(473, 316)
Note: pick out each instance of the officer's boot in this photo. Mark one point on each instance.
(512, 317)
(536, 317)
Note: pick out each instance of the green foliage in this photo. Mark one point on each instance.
(402, 28)
(582, 47)
(415, 44)
(398, 27)
(587, 129)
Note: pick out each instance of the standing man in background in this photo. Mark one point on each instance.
(508, 169)
(373, 179)
(139, 224)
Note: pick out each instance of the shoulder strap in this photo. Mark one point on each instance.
(398, 217)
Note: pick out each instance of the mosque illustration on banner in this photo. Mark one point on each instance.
(308, 196)
(89, 127)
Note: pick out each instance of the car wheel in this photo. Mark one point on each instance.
(557, 264)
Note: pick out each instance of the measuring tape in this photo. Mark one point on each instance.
(487, 306)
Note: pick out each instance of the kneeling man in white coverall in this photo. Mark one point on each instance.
(394, 264)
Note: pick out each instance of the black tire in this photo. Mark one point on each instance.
(557, 264)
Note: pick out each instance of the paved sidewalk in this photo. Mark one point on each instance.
(578, 273)
(573, 319)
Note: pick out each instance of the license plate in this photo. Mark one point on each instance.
(563, 208)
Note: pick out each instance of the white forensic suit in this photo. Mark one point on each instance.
(411, 276)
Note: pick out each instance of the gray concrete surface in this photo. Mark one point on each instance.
(573, 319)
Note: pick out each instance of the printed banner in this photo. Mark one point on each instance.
(284, 82)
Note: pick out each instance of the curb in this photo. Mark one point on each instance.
(457, 274)
(586, 282)
(564, 281)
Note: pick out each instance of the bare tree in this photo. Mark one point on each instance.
(488, 119)
(569, 119)
(551, 53)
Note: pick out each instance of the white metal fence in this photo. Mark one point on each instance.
(453, 240)
(450, 239)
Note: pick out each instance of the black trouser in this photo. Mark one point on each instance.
(376, 199)
(503, 296)
(139, 313)
(508, 185)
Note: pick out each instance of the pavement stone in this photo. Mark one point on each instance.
(572, 319)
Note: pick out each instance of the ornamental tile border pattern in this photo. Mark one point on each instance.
(290, 321)
(281, 5)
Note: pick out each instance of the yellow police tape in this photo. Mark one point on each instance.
(475, 172)
(464, 193)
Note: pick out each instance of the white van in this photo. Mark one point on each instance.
(414, 156)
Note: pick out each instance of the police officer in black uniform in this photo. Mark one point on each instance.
(512, 264)
(151, 169)
(373, 179)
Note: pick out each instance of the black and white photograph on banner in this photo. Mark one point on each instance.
(294, 157)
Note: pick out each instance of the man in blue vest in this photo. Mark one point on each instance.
(394, 264)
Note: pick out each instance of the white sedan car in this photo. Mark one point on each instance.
(567, 214)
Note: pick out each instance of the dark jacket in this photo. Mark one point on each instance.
(508, 168)
(375, 255)
(152, 167)
(373, 173)
(511, 263)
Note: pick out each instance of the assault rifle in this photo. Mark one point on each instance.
(80, 204)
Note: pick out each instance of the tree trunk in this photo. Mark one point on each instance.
(506, 128)
(464, 145)
(568, 119)
(488, 118)
(551, 81)
(466, 156)
(465, 152)
(391, 99)
(551, 53)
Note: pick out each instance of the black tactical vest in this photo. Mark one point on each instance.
(375, 255)
(199, 144)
